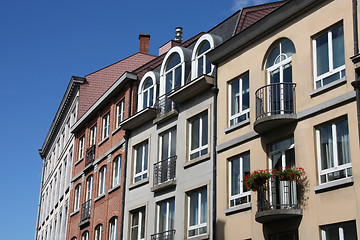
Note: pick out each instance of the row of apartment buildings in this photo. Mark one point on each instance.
(158, 147)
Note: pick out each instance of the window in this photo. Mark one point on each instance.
(81, 147)
(77, 197)
(239, 100)
(333, 151)
(141, 161)
(239, 167)
(113, 228)
(165, 217)
(173, 73)
(89, 187)
(106, 126)
(120, 111)
(137, 226)
(198, 136)
(197, 212)
(293, 235)
(203, 65)
(98, 232)
(85, 236)
(93, 135)
(148, 93)
(339, 231)
(102, 180)
(329, 56)
(168, 144)
(74, 238)
(116, 171)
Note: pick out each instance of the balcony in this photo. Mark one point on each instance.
(275, 106)
(165, 108)
(85, 212)
(164, 173)
(280, 201)
(139, 119)
(90, 155)
(167, 235)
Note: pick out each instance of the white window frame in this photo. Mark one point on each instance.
(336, 167)
(199, 225)
(102, 180)
(98, 232)
(120, 112)
(81, 147)
(105, 126)
(89, 188)
(154, 76)
(117, 171)
(168, 144)
(143, 171)
(167, 201)
(204, 58)
(201, 145)
(93, 131)
(113, 228)
(141, 212)
(243, 193)
(85, 236)
(242, 111)
(330, 52)
(77, 197)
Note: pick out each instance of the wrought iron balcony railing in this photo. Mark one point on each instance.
(165, 170)
(167, 235)
(275, 99)
(85, 210)
(90, 155)
(280, 195)
(164, 105)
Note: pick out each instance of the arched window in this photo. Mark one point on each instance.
(113, 228)
(102, 180)
(279, 76)
(116, 171)
(85, 236)
(98, 232)
(203, 65)
(173, 73)
(77, 197)
(74, 238)
(147, 90)
(89, 188)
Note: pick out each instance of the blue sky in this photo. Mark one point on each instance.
(44, 43)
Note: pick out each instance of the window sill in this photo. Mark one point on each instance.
(104, 140)
(237, 126)
(240, 208)
(114, 188)
(99, 197)
(334, 185)
(327, 87)
(116, 130)
(73, 213)
(201, 237)
(139, 183)
(78, 161)
(195, 161)
(164, 185)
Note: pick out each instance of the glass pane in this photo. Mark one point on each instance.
(165, 146)
(146, 155)
(173, 143)
(235, 176)
(194, 208)
(171, 214)
(174, 60)
(275, 91)
(142, 234)
(349, 231)
(343, 147)
(276, 161)
(204, 139)
(169, 82)
(338, 47)
(195, 134)
(332, 233)
(205, 45)
(145, 100)
(208, 66)
(139, 157)
(235, 101)
(326, 148)
(331, 78)
(246, 169)
(203, 216)
(287, 47)
(245, 92)
(151, 98)
(200, 66)
(148, 83)
(288, 89)
(322, 54)
(273, 55)
(177, 77)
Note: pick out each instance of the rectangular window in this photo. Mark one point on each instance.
(106, 126)
(239, 100)
(120, 112)
(141, 161)
(239, 167)
(77, 197)
(197, 212)
(333, 151)
(329, 56)
(116, 171)
(167, 144)
(81, 147)
(113, 228)
(93, 135)
(198, 136)
(165, 219)
(339, 231)
(137, 225)
(102, 180)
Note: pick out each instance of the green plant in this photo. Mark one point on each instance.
(290, 174)
(256, 179)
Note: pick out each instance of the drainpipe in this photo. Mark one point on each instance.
(39, 205)
(126, 137)
(356, 82)
(215, 91)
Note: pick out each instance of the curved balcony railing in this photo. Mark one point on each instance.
(275, 99)
(167, 235)
(165, 170)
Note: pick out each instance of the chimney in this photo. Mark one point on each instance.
(144, 42)
(178, 37)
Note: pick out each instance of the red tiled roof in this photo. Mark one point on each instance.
(250, 15)
(98, 82)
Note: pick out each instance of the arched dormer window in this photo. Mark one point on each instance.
(147, 90)
(173, 69)
(279, 76)
(199, 63)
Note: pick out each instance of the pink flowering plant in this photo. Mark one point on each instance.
(256, 179)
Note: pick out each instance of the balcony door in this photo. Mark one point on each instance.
(165, 219)
(167, 155)
(282, 193)
(89, 188)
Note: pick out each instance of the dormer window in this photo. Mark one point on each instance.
(173, 73)
(147, 90)
(203, 65)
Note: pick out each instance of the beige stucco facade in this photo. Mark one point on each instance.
(326, 203)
